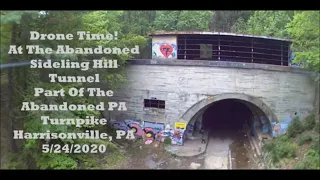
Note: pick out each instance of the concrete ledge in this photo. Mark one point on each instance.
(190, 148)
(221, 64)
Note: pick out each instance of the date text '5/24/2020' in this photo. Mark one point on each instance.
(85, 148)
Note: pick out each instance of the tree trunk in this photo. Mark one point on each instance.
(10, 93)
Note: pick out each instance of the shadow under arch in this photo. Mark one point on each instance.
(248, 100)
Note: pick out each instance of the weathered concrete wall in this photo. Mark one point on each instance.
(182, 84)
(164, 47)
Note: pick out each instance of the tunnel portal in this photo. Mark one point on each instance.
(228, 127)
(227, 115)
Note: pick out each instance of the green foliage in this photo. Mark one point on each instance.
(132, 27)
(304, 138)
(239, 26)
(281, 147)
(8, 17)
(315, 145)
(15, 162)
(56, 161)
(5, 37)
(269, 23)
(138, 22)
(296, 127)
(301, 26)
(183, 20)
(62, 22)
(310, 122)
(226, 21)
(310, 160)
(317, 127)
(304, 30)
(167, 141)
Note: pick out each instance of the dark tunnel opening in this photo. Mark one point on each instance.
(227, 115)
(227, 123)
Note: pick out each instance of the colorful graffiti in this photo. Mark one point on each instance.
(126, 125)
(265, 125)
(178, 125)
(275, 128)
(177, 137)
(147, 130)
(152, 131)
(164, 50)
(282, 127)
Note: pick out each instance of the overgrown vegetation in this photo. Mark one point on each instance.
(296, 127)
(133, 28)
(167, 141)
(26, 79)
(299, 144)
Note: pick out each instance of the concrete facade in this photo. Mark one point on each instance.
(182, 84)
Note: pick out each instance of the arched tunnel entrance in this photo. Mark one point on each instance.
(227, 123)
(230, 127)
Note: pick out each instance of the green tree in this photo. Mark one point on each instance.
(182, 20)
(223, 21)
(17, 26)
(304, 30)
(8, 19)
(267, 23)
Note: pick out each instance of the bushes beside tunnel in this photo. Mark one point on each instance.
(281, 148)
(299, 147)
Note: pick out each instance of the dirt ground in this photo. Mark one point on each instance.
(141, 156)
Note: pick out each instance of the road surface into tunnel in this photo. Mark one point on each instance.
(227, 123)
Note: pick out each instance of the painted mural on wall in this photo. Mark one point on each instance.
(152, 131)
(147, 130)
(275, 128)
(177, 137)
(261, 123)
(265, 125)
(164, 50)
(282, 127)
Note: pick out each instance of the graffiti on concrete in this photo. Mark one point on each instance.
(261, 124)
(265, 124)
(179, 125)
(177, 137)
(147, 130)
(126, 125)
(135, 126)
(155, 126)
(190, 128)
(164, 50)
(152, 131)
(281, 127)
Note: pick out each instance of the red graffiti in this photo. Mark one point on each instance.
(166, 50)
